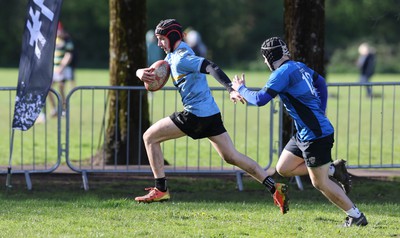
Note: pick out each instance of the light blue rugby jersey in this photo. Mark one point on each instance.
(293, 82)
(191, 84)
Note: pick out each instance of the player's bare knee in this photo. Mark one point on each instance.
(147, 137)
(282, 171)
(229, 160)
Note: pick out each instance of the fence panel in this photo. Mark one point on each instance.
(251, 129)
(37, 150)
(367, 133)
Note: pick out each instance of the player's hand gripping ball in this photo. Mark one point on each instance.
(161, 71)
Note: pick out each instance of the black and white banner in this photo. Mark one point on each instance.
(36, 62)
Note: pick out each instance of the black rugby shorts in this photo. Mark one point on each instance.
(315, 153)
(198, 127)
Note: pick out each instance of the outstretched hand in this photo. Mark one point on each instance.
(235, 97)
(237, 82)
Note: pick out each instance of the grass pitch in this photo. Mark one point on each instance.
(200, 207)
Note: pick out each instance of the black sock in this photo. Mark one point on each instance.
(161, 184)
(270, 184)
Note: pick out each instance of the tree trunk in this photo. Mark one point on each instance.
(123, 140)
(304, 33)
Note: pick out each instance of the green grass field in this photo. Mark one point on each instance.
(200, 207)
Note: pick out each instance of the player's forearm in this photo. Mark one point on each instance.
(209, 67)
(66, 60)
(259, 98)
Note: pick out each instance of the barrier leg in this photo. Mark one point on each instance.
(85, 181)
(299, 183)
(28, 180)
(239, 181)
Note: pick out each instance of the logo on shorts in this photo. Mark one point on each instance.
(311, 160)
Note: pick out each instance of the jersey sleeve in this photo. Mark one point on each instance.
(190, 63)
(208, 67)
(320, 86)
(278, 81)
(259, 98)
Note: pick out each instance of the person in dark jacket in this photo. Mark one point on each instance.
(366, 64)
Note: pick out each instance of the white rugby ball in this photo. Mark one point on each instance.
(161, 71)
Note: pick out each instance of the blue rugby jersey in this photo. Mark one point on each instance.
(192, 85)
(293, 82)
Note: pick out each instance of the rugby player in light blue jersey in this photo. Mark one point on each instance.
(200, 118)
(304, 95)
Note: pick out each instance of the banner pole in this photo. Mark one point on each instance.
(8, 180)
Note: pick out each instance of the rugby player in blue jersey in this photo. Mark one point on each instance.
(304, 95)
(200, 118)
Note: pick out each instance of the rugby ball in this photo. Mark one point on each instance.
(161, 72)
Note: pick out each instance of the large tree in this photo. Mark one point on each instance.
(128, 114)
(305, 33)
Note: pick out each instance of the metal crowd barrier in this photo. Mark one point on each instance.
(251, 129)
(37, 150)
(367, 134)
